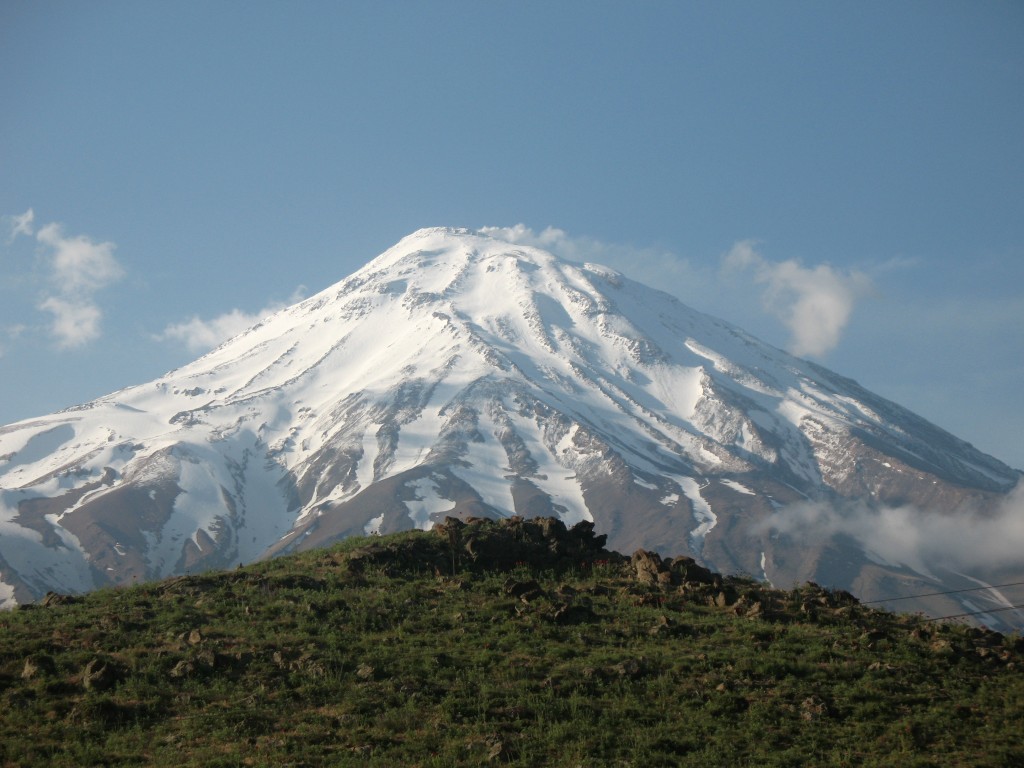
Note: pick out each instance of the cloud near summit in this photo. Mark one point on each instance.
(583, 249)
(652, 266)
(814, 304)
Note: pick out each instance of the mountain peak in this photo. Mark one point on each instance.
(455, 247)
(461, 374)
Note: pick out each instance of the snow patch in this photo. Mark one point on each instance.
(738, 487)
(427, 502)
(371, 447)
(196, 509)
(63, 568)
(564, 490)
(487, 474)
(706, 519)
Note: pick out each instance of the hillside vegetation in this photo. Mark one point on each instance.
(514, 642)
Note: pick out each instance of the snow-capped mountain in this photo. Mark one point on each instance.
(459, 374)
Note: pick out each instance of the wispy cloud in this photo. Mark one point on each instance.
(200, 335)
(78, 268)
(653, 266)
(917, 539)
(814, 303)
(20, 225)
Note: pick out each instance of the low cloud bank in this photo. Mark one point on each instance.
(966, 542)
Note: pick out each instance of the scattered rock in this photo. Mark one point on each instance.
(37, 666)
(495, 751)
(632, 669)
(942, 647)
(813, 708)
(99, 675)
(662, 626)
(725, 597)
(503, 544)
(747, 606)
(54, 598)
(686, 571)
(524, 590)
(183, 669)
(366, 672)
(648, 566)
(310, 666)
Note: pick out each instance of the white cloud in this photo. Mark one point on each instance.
(79, 268)
(75, 322)
(814, 303)
(907, 536)
(551, 238)
(200, 335)
(21, 225)
(79, 265)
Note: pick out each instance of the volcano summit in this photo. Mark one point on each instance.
(460, 374)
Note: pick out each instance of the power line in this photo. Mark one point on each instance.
(935, 594)
(973, 613)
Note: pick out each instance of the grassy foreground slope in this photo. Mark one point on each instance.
(513, 642)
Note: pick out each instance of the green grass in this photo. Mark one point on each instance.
(336, 658)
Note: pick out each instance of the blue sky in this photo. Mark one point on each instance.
(842, 179)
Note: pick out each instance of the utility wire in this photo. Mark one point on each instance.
(973, 613)
(935, 594)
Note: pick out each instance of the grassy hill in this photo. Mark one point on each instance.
(513, 642)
